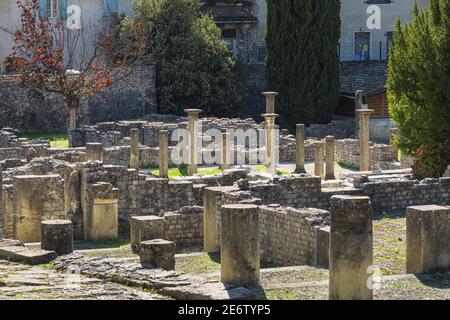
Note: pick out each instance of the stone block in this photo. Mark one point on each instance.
(27, 255)
(239, 255)
(323, 247)
(351, 244)
(427, 238)
(159, 253)
(57, 235)
(145, 228)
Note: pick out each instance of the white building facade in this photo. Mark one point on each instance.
(243, 23)
(92, 16)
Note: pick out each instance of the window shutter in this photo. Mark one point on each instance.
(110, 6)
(42, 8)
(63, 9)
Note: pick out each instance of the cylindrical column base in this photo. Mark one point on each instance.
(57, 235)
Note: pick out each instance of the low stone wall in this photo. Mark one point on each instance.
(382, 156)
(184, 227)
(399, 194)
(289, 236)
(340, 129)
(130, 97)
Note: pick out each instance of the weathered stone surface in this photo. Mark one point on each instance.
(428, 238)
(319, 155)
(134, 148)
(300, 149)
(211, 218)
(170, 283)
(351, 241)
(164, 154)
(27, 255)
(239, 255)
(323, 246)
(159, 253)
(36, 198)
(94, 151)
(330, 149)
(364, 138)
(145, 228)
(57, 235)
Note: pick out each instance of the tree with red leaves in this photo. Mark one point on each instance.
(44, 56)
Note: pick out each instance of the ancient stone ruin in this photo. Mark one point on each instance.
(311, 209)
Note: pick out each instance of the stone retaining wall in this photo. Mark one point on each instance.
(130, 97)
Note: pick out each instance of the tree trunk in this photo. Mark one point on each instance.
(73, 113)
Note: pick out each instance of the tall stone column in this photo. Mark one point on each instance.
(364, 138)
(164, 153)
(193, 142)
(318, 159)
(360, 103)
(226, 151)
(300, 154)
(427, 238)
(239, 255)
(94, 152)
(351, 241)
(393, 139)
(270, 101)
(271, 161)
(134, 148)
(330, 146)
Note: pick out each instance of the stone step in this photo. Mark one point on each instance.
(27, 255)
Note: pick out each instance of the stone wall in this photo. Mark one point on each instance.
(382, 156)
(340, 129)
(184, 227)
(131, 96)
(289, 236)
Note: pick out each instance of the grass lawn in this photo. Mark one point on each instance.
(262, 168)
(175, 172)
(57, 139)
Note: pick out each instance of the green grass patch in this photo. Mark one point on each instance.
(348, 166)
(176, 172)
(57, 139)
(262, 168)
(49, 266)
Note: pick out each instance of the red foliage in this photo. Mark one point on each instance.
(38, 58)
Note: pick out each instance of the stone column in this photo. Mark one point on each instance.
(134, 148)
(427, 238)
(193, 142)
(94, 152)
(239, 255)
(318, 159)
(300, 154)
(226, 151)
(57, 235)
(271, 164)
(159, 253)
(393, 139)
(211, 218)
(351, 241)
(364, 138)
(270, 101)
(144, 228)
(330, 146)
(360, 103)
(164, 153)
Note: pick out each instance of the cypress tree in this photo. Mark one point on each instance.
(302, 58)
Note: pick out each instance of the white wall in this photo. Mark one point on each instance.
(91, 14)
(354, 19)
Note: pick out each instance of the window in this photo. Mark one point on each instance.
(110, 7)
(52, 8)
(389, 41)
(362, 46)
(229, 33)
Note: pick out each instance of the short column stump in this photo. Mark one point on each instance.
(57, 235)
(144, 228)
(159, 253)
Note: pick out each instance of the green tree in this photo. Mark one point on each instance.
(418, 87)
(302, 58)
(194, 65)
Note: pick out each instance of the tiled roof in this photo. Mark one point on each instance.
(230, 13)
(369, 76)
